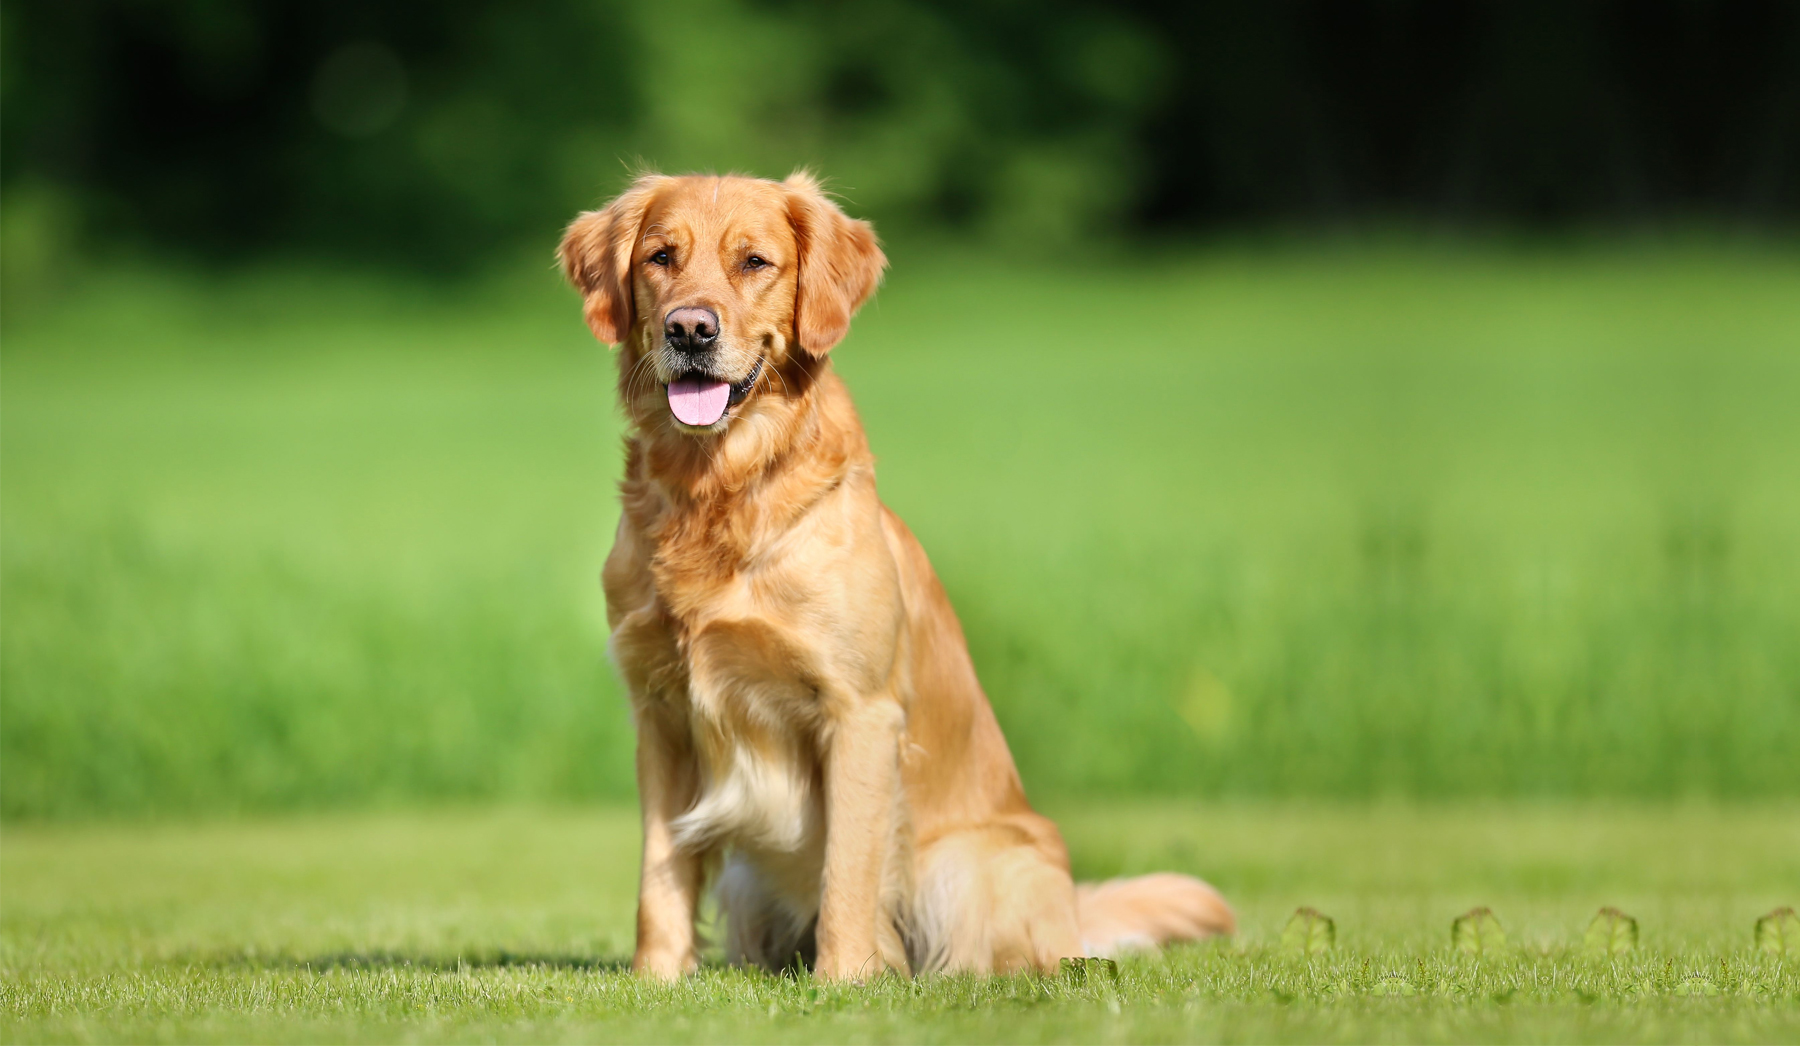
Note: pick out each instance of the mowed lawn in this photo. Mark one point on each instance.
(514, 925)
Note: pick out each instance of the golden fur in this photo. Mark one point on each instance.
(811, 734)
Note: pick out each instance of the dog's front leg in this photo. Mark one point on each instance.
(671, 878)
(862, 772)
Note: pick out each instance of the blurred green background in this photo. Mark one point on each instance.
(1330, 399)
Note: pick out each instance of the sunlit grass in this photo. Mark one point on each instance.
(513, 925)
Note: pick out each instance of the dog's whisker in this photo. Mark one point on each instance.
(644, 368)
(630, 382)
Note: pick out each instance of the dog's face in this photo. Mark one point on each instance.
(714, 287)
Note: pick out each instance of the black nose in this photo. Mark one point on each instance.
(691, 327)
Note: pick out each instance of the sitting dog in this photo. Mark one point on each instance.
(811, 734)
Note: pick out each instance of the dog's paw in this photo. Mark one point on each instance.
(843, 970)
(664, 966)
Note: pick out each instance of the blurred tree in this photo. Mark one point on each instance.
(431, 132)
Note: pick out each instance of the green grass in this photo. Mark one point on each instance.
(513, 925)
(1299, 521)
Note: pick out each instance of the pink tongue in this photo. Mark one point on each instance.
(698, 402)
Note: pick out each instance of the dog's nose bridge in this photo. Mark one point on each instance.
(691, 325)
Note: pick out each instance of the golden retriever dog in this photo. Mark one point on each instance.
(811, 734)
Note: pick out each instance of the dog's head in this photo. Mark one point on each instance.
(715, 285)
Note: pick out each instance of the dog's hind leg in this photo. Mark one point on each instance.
(991, 900)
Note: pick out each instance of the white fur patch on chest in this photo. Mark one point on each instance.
(753, 800)
(751, 714)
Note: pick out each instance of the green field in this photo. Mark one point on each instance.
(1345, 520)
(1386, 579)
(512, 926)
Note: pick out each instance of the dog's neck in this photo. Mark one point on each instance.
(699, 499)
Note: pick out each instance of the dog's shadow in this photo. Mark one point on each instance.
(434, 963)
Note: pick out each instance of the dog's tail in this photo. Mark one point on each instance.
(1145, 913)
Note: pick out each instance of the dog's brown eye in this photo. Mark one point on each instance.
(660, 258)
(754, 262)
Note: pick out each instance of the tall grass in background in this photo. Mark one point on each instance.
(1346, 520)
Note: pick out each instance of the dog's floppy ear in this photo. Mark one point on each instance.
(596, 256)
(840, 264)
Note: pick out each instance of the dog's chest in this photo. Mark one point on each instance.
(745, 689)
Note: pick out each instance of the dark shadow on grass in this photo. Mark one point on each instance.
(384, 960)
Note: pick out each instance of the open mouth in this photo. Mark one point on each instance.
(699, 400)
